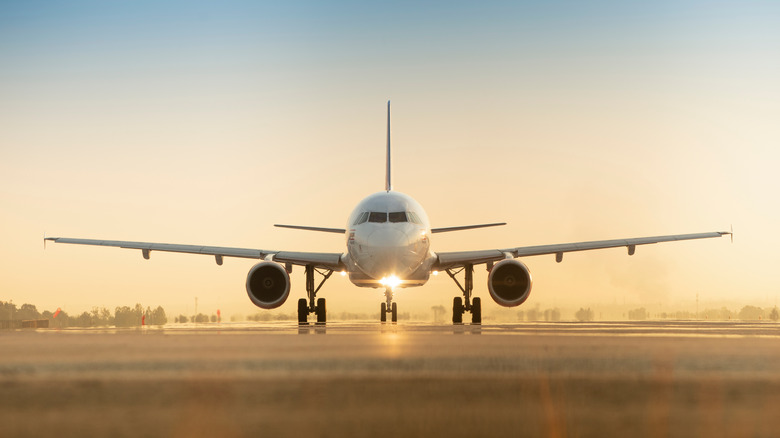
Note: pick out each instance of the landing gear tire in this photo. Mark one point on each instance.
(457, 310)
(321, 311)
(303, 311)
(394, 313)
(476, 310)
(383, 312)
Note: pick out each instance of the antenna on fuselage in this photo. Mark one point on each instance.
(388, 184)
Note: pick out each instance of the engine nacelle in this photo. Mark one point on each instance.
(509, 283)
(268, 285)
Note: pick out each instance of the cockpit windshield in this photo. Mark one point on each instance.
(377, 217)
(380, 217)
(361, 219)
(397, 216)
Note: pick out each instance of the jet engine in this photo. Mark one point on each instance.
(509, 283)
(268, 285)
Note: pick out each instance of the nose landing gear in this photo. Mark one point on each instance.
(388, 307)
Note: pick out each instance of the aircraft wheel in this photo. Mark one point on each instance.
(457, 310)
(303, 311)
(321, 313)
(394, 313)
(383, 312)
(476, 311)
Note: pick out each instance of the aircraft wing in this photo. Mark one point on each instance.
(330, 261)
(446, 260)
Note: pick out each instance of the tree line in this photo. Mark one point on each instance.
(747, 313)
(123, 316)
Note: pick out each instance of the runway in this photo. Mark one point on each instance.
(361, 379)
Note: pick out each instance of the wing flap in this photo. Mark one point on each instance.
(327, 260)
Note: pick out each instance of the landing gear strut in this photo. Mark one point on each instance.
(388, 307)
(465, 304)
(305, 307)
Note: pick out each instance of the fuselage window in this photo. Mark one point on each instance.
(361, 219)
(377, 216)
(397, 216)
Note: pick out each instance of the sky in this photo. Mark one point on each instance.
(208, 122)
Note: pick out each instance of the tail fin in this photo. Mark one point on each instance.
(388, 184)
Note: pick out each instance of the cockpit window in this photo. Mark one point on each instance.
(377, 216)
(397, 216)
(361, 219)
(413, 217)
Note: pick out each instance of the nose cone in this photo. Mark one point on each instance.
(388, 250)
(388, 237)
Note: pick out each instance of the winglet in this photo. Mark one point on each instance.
(388, 184)
(730, 233)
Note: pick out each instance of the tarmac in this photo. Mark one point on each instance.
(691, 378)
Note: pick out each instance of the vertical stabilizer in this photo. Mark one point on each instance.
(388, 184)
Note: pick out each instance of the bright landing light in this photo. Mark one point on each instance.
(391, 281)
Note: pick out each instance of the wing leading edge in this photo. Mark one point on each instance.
(330, 261)
(446, 260)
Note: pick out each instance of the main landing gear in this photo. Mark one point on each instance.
(388, 307)
(471, 305)
(305, 307)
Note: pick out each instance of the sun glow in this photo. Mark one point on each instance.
(391, 281)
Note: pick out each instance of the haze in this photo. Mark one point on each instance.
(207, 123)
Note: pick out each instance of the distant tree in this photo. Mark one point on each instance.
(123, 316)
(521, 315)
(438, 313)
(28, 311)
(639, 314)
(583, 315)
(61, 321)
(101, 317)
(213, 318)
(774, 315)
(126, 317)
(158, 316)
(261, 316)
(552, 314)
(719, 314)
(83, 320)
(181, 319)
(7, 310)
(533, 314)
(750, 313)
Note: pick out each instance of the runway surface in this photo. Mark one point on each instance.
(367, 379)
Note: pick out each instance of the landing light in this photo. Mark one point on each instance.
(435, 273)
(391, 281)
(343, 273)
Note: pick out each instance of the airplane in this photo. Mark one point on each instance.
(388, 245)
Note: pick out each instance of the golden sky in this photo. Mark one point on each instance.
(206, 124)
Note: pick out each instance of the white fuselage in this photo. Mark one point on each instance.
(388, 242)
